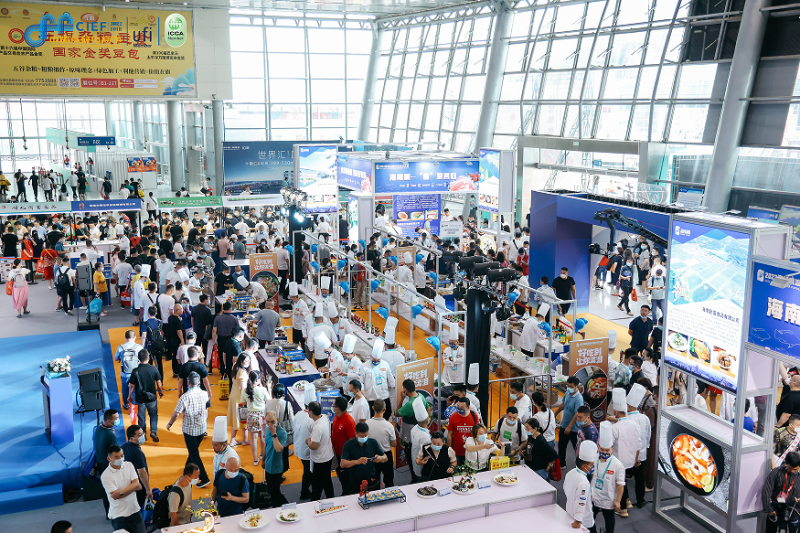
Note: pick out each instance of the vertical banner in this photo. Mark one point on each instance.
(489, 181)
(589, 363)
(264, 270)
(421, 373)
(315, 175)
(417, 211)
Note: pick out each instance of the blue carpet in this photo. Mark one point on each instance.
(29, 459)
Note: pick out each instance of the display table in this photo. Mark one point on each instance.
(550, 518)
(104, 247)
(309, 373)
(532, 493)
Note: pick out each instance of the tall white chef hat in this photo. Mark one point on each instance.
(319, 311)
(322, 340)
(220, 429)
(588, 451)
(309, 393)
(391, 330)
(293, 288)
(377, 349)
(453, 330)
(636, 395)
(473, 378)
(606, 439)
(439, 300)
(408, 259)
(420, 413)
(612, 341)
(349, 343)
(618, 399)
(389, 336)
(242, 282)
(333, 311)
(325, 283)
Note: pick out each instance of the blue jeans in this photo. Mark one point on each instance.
(123, 377)
(657, 304)
(132, 524)
(543, 474)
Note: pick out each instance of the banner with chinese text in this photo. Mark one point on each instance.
(421, 373)
(589, 363)
(65, 50)
(264, 270)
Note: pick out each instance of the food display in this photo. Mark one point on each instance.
(287, 516)
(464, 484)
(723, 358)
(694, 463)
(427, 492)
(387, 495)
(330, 510)
(699, 350)
(269, 281)
(506, 480)
(254, 521)
(677, 341)
(300, 385)
(597, 387)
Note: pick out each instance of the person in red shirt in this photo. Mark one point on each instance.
(459, 428)
(342, 430)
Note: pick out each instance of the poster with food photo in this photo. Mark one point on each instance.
(589, 363)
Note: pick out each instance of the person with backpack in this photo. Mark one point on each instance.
(231, 492)
(65, 286)
(128, 356)
(144, 389)
(19, 288)
(174, 505)
(153, 338)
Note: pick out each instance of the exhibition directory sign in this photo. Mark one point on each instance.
(705, 301)
(354, 173)
(417, 211)
(315, 174)
(410, 177)
(775, 309)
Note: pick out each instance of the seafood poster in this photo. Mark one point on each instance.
(705, 301)
(489, 183)
(589, 363)
(353, 173)
(264, 270)
(701, 466)
(775, 311)
(455, 176)
(417, 211)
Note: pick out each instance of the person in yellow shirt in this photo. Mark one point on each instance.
(100, 284)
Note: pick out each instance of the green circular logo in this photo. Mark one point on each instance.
(175, 30)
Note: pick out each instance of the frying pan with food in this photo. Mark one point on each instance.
(688, 464)
(595, 386)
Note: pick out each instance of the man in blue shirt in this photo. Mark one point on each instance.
(639, 329)
(573, 399)
(231, 489)
(275, 439)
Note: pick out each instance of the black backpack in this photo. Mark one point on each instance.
(161, 516)
(155, 339)
(62, 279)
(244, 475)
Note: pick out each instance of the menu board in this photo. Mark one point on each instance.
(775, 310)
(489, 181)
(352, 219)
(705, 301)
(589, 363)
(455, 176)
(264, 270)
(417, 211)
(315, 171)
(353, 173)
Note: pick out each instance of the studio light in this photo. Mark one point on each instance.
(503, 313)
(482, 268)
(502, 274)
(468, 263)
(300, 217)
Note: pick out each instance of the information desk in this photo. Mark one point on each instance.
(309, 373)
(419, 514)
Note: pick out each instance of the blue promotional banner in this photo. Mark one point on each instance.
(258, 168)
(133, 204)
(97, 141)
(775, 310)
(316, 176)
(326, 399)
(353, 173)
(352, 219)
(489, 184)
(770, 216)
(417, 211)
(705, 301)
(460, 175)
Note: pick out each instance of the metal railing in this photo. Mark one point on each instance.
(500, 390)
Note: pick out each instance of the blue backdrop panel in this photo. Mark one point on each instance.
(29, 460)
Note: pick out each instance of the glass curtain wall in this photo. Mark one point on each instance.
(299, 78)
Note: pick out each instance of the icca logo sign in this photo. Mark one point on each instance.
(175, 30)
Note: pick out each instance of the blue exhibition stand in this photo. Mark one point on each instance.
(57, 403)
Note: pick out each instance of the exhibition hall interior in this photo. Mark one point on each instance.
(395, 266)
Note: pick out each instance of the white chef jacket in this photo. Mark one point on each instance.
(301, 426)
(139, 292)
(644, 432)
(612, 475)
(531, 334)
(579, 497)
(220, 459)
(299, 312)
(419, 276)
(376, 380)
(419, 438)
(524, 407)
(259, 292)
(626, 441)
(404, 275)
(453, 370)
(336, 362)
(393, 358)
(351, 369)
(319, 353)
(308, 323)
(340, 329)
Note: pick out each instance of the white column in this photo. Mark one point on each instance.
(368, 102)
(219, 136)
(175, 140)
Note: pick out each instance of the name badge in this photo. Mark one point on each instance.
(598, 484)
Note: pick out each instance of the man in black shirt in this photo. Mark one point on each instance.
(224, 326)
(790, 402)
(35, 184)
(143, 385)
(564, 287)
(20, 178)
(10, 242)
(177, 232)
(223, 281)
(359, 456)
(132, 450)
(202, 317)
(193, 365)
(151, 260)
(176, 336)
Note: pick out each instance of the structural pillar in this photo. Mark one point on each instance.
(109, 119)
(734, 106)
(175, 140)
(368, 100)
(138, 125)
(219, 136)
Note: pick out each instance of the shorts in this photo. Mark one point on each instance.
(600, 272)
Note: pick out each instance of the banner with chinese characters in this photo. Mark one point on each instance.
(589, 363)
(774, 310)
(190, 202)
(66, 50)
(264, 270)
(421, 373)
(35, 208)
(141, 164)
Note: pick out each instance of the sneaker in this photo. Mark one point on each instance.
(648, 489)
(628, 504)
(82, 307)
(205, 483)
(623, 513)
(154, 437)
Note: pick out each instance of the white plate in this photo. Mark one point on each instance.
(472, 491)
(299, 385)
(505, 484)
(244, 524)
(280, 513)
(427, 497)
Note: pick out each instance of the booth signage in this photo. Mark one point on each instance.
(97, 141)
(450, 229)
(705, 301)
(133, 204)
(141, 164)
(353, 173)
(688, 197)
(489, 184)
(189, 202)
(352, 219)
(264, 270)
(589, 363)
(417, 211)
(770, 216)
(454, 176)
(62, 50)
(263, 166)
(421, 372)
(326, 401)
(34, 208)
(315, 174)
(775, 309)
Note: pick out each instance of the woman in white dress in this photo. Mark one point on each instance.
(19, 294)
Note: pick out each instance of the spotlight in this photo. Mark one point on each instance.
(299, 217)
(595, 249)
(503, 313)
(482, 268)
(502, 274)
(468, 263)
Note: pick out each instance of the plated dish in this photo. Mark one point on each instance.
(300, 385)
(700, 350)
(255, 521)
(677, 341)
(694, 463)
(289, 515)
(427, 492)
(506, 480)
(330, 510)
(724, 359)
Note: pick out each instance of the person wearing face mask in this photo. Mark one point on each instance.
(419, 436)
(352, 364)
(438, 460)
(538, 454)
(578, 487)
(564, 287)
(120, 484)
(479, 448)
(627, 441)
(132, 450)
(219, 442)
(544, 290)
(180, 509)
(609, 479)
(582, 426)
(453, 358)
(626, 285)
(459, 428)
(104, 437)
(634, 399)
(572, 401)
(531, 334)
(510, 433)
(359, 456)
(521, 401)
(193, 405)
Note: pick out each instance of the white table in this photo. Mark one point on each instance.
(550, 518)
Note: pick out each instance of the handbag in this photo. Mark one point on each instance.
(208, 332)
(242, 412)
(134, 411)
(214, 358)
(554, 471)
(10, 287)
(40, 267)
(224, 386)
(634, 297)
(286, 424)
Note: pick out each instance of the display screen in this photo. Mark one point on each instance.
(417, 211)
(775, 310)
(489, 183)
(705, 301)
(353, 173)
(316, 167)
(456, 176)
(352, 219)
(263, 167)
(769, 216)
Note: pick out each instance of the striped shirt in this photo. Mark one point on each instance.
(193, 406)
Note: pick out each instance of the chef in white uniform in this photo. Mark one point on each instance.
(320, 354)
(419, 273)
(299, 311)
(473, 380)
(612, 363)
(625, 431)
(531, 334)
(335, 359)
(609, 478)
(404, 274)
(256, 290)
(219, 441)
(420, 434)
(453, 358)
(324, 291)
(377, 378)
(392, 356)
(340, 326)
(634, 399)
(578, 487)
(352, 364)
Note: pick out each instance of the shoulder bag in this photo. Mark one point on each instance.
(286, 423)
